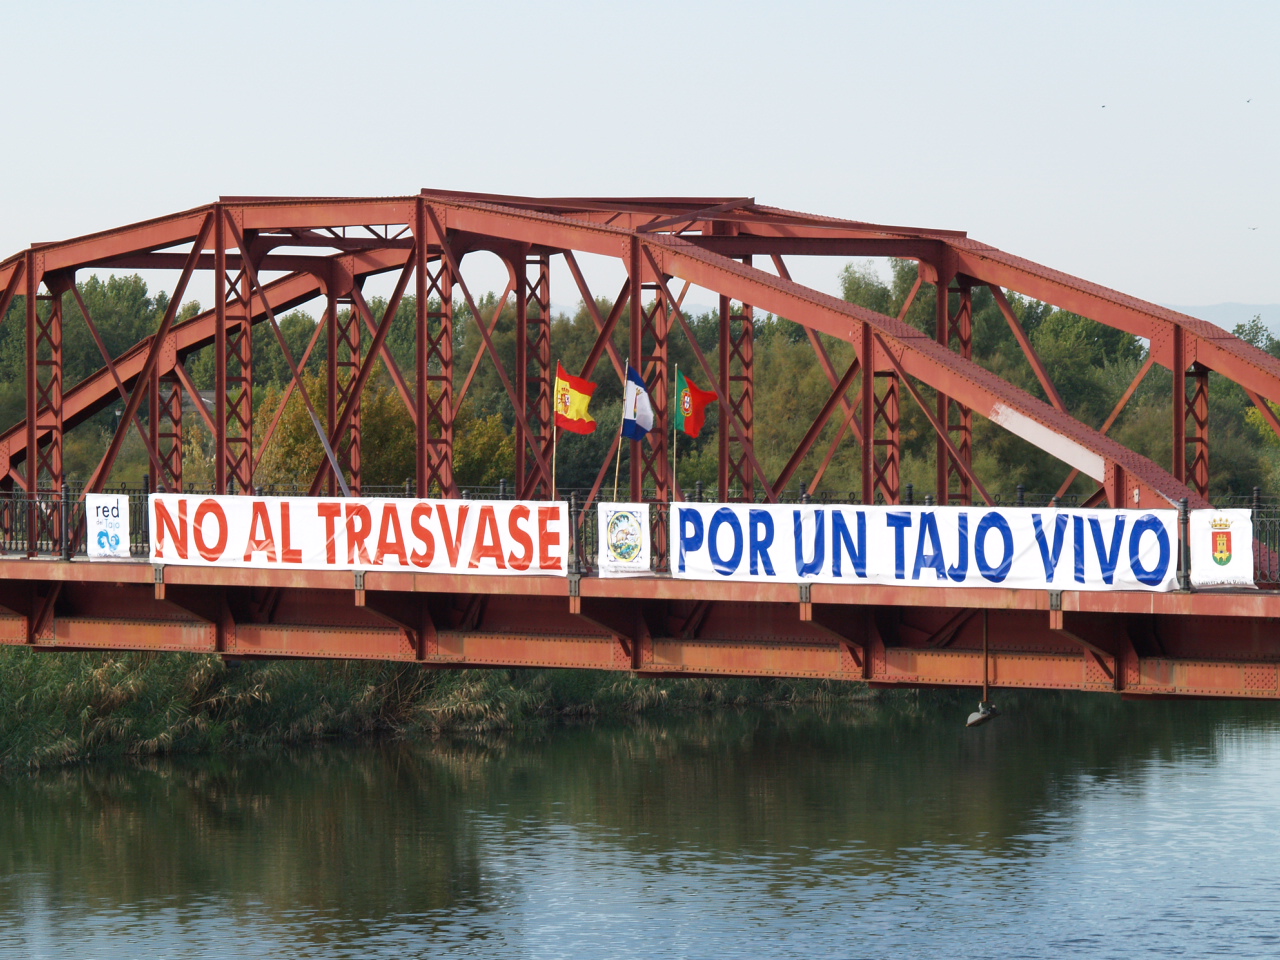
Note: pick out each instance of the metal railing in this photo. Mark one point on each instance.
(51, 523)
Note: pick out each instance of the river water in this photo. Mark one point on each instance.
(1072, 826)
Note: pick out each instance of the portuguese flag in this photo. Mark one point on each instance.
(691, 405)
(572, 396)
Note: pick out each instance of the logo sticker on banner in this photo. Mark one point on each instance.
(623, 534)
(107, 516)
(1221, 548)
(927, 546)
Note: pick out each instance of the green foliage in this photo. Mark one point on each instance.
(1091, 365)
(58, 708)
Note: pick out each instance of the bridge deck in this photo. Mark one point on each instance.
(1219, 644)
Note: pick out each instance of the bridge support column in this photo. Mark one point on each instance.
(1197, 426)
(44, 399)
(433, 361)
(650, 330)
(44, 377)
(345, 359)
(165, 428)
(233, 365)
(881, 415)
(737, 357)
(534, 386)
(955, 328)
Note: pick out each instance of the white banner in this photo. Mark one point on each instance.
(623, 539)
(927, 546)
(107, 525)
(314, 533)
(1221, 548)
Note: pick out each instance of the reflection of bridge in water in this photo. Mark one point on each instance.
(266, 256)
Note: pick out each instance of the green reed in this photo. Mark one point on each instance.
(58, 708)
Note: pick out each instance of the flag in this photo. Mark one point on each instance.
(691, 405)
(572, 396)
(637, 411)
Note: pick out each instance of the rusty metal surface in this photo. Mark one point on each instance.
(1136, 644)
(1194, 644)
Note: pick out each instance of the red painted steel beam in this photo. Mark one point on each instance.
(605, 225)
(1139, 644)
(924, 359)
(1217, 349)
(97, 391)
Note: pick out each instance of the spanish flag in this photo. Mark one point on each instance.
(572, 396)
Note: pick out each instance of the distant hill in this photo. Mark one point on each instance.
(1229, 314)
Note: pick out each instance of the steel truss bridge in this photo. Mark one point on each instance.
(267, 255)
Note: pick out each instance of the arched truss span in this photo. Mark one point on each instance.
(328, 247)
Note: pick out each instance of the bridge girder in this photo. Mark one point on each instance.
(700, 241)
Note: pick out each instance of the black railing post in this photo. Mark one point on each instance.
(502, 489)
(64, 521)
(697, 491)
(574, 566)
(1022, 495)
(1184, 545)
(143, 531)
(911, 494)
(1255, 512)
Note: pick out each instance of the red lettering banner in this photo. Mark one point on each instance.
(515, 537)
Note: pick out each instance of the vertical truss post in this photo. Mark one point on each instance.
(344, 367)
(886, 430)
(1197, 421)
(44, 345)
(650, 332)
(955, 327)
(422, 466)
(881, 439)
(434, 362)
(738, 385)
(44, 399)
(635, 328)
(1178, 366)
(233, 360)
(534, 375)
(240, 384)
(165, 402)
(331, 408)
(220, 457)
(866, 400)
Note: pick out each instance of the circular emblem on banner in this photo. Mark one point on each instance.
(686, 402)
(624, 537)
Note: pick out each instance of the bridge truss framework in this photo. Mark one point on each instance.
(268, 255)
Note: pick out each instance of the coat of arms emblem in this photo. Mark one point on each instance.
(625, 538)
(1220, 530)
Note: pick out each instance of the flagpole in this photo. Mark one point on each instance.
(555, 436)
(617, 465)
(671, 487)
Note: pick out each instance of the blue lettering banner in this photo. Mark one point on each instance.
(1023, 548)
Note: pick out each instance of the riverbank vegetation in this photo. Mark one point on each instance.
(58, 708)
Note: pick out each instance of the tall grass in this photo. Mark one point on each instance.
(58, 708)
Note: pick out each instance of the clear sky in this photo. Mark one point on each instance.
(1134, 144)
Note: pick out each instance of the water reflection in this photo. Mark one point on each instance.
(1072, 824)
